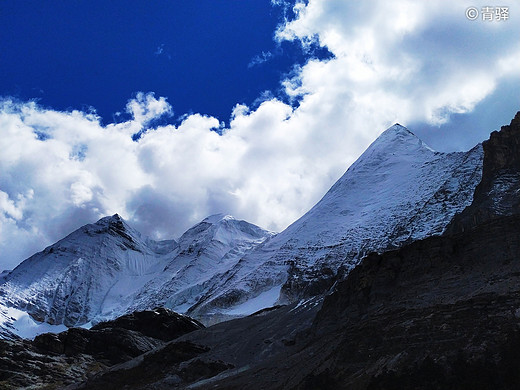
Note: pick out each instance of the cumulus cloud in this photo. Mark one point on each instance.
(402, 61)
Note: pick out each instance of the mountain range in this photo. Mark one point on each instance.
(398, 191)
(404, 276)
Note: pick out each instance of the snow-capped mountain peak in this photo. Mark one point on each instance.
(70, 282)
(103, 269)
(398, 141)
(399, 190)
(215, 218)
(222, 228)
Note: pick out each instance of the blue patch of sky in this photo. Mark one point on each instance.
(205, 56)
(41, 133)
(79, 152)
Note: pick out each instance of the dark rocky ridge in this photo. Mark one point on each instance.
(160, 323)
(441, 313)
(497, 193)
(56, 360)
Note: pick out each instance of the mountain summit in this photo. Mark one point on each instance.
(398, 137)
(399, 190)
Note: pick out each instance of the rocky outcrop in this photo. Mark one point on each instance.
(498, 192)
(173, 366)
(72, 356)
(449, 304)
(159, 323)
(109, 345)
(23, 366)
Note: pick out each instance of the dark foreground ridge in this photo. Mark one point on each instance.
(55, 360)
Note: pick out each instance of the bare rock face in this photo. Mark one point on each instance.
(440, 313)
(172, 366)
(497, 193)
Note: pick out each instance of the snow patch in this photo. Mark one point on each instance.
(266, 299)
(23, 325)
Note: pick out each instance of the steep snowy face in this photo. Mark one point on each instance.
(206, 252)
(398, 191)
(5, 324)
(73, 280)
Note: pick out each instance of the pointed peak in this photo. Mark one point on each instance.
(110, 219)
(398, 133)
(396, 140)
(397, 128)
(515, 122)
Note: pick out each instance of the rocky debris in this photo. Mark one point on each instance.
(72, 356)
(174, 365)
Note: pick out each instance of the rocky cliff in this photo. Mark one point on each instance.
(498, 192)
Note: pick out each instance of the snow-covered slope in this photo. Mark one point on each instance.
(106, 269)
(399, 190)
(206, 251)
(85, 273)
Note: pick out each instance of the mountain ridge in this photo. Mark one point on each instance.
(381, 202)
(94, 273)
(222, 267)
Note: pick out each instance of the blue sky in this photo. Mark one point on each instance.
(205, 56)
(169, 111)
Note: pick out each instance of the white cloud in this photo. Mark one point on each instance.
(260, 59)
(401, 61)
